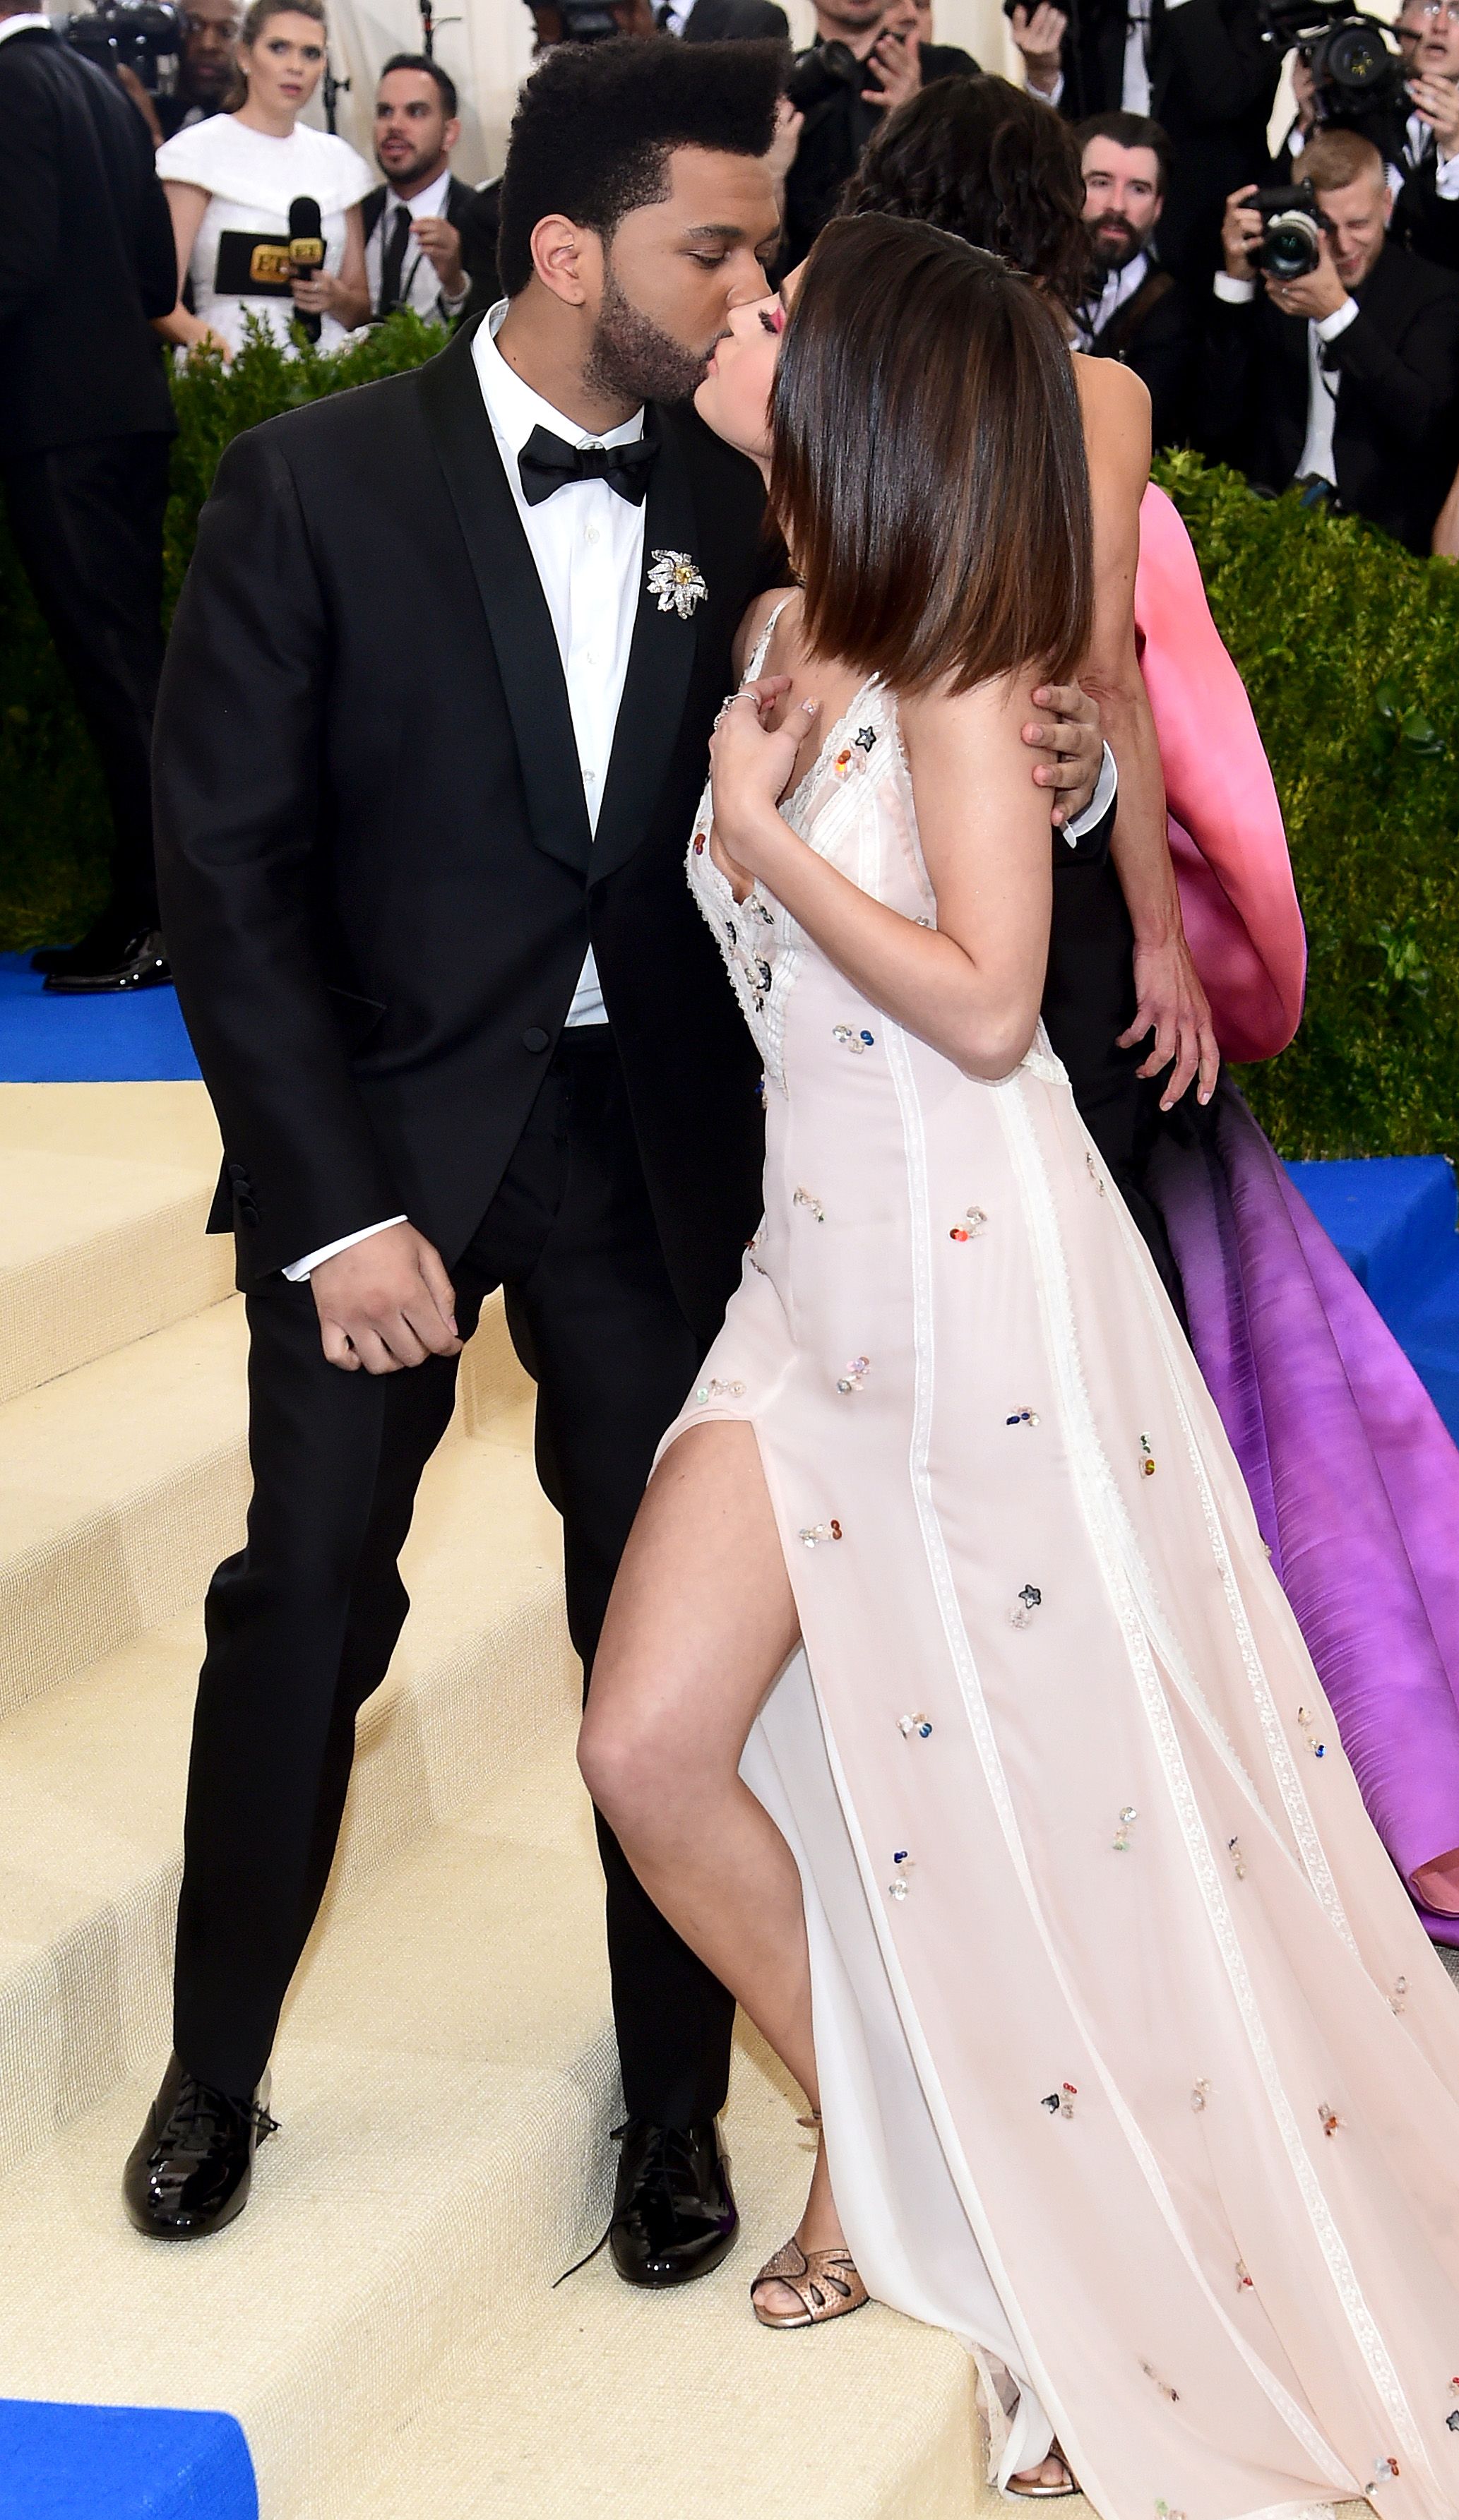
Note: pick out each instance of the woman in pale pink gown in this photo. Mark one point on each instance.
(1046, 1874)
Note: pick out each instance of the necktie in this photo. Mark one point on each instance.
(393, 261)
(547, 464)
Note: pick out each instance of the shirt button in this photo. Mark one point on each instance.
(591, 655)
(535, 1038)
(591, 534)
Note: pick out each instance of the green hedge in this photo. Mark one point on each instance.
(1349, 646)
(1350, 649)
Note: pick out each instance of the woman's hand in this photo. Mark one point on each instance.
(751, 766)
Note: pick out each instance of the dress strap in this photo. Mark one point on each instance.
(763, 643)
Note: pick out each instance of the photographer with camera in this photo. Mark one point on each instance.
(1403, 97)
(867, 59)
(1333, 356)
(1200, 68)
(86, 428)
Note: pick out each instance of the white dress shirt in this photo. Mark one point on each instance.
(588, 545)
(1316, 461)
(420, 282)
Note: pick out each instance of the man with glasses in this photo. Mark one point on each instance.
(1420, 147)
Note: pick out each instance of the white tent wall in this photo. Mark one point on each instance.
(487, 52)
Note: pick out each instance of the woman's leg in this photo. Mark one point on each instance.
(700, 1622)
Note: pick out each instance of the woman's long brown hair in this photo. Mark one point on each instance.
(929, 468)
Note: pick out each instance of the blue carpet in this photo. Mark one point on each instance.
(62, 2462)
(80, 1041)
(1392, 1218)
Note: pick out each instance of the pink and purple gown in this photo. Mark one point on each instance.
(1353, 1474)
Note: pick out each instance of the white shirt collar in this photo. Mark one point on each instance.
(515, 410)
(26, 18)
(429, 204)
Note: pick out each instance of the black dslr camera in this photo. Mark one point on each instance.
(1357, 79)
(141, 35)
(818, 74)
(1290, 230)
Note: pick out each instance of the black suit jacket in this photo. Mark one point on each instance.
(474, 221)
(833, 137)
(375, 859)
(1396, 366)
(1211, 82)
(86, 255)
(721, 21)
(1157, 334)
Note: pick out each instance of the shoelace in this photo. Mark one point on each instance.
(658, 2169)
(202, 2103)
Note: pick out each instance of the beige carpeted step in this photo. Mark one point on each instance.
(92, 1777)
(103, 1190)
(445, 2079)
(124, 1481)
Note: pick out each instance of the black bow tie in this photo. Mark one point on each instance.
(547, 464)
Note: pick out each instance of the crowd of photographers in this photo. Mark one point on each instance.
(1296, 315)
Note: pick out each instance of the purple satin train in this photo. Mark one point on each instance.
(1353, 1475)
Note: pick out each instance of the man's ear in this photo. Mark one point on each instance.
(451, 134)
(567, 260)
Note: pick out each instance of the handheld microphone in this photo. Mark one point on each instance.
(305, 253)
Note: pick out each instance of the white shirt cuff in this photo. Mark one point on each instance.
(297, 1271)
(1234, 292)
(1328, 327)
(1048, 95)
(1446, 178)
(1099, 804)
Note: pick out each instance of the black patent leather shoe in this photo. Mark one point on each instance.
(673, 2215)
(192, 2163)
(139, 962)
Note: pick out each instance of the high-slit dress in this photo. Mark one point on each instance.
(1137, 2070)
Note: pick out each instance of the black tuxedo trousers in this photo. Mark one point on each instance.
(303, 1622)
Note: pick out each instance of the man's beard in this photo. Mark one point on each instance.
(1114, 244)
(631, 360)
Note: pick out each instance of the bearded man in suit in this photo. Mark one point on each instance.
(463, 1026)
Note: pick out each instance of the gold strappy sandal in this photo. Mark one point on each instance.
(824, 2281)
(1064, 2492)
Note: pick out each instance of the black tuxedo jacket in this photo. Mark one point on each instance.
(1397, 435)
(1211, 83)
(377, 872)
(86, 255)
(1157, 334)
(475, 222)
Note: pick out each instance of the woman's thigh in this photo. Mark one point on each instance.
(701, 1617)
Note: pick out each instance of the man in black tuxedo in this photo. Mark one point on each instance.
(461, 1021)
(867, 60)
(1136, 311)
(86, 260)
(1345, 381)
(1198, 67)
(428, 242)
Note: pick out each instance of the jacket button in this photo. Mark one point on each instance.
(535, 1038)
(247, 1213)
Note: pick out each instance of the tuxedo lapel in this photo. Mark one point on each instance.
(512, 598)
(660, 660)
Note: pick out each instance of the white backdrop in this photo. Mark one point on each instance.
(488, 53)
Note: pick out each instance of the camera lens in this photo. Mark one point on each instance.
(1290, 245)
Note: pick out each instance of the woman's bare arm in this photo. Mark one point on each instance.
(970, 986)
(188, 203)
(1169, 999)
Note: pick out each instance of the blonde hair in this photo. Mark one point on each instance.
(1335, 158)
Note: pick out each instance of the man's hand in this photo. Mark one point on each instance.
(440, 244)
(1435, 100)
(1241, 230)
(1171, 1004)
(1039, 34)
(780, 158)
(896, 64)
(385, 1302)
(1069, 736)
(1317, 293)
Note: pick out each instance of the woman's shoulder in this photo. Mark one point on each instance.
(1110, 395)
(199, 153)
(776, 602)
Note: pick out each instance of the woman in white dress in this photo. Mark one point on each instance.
(230, 184)
(1043, 1872)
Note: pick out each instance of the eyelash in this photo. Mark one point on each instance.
(774, 323)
